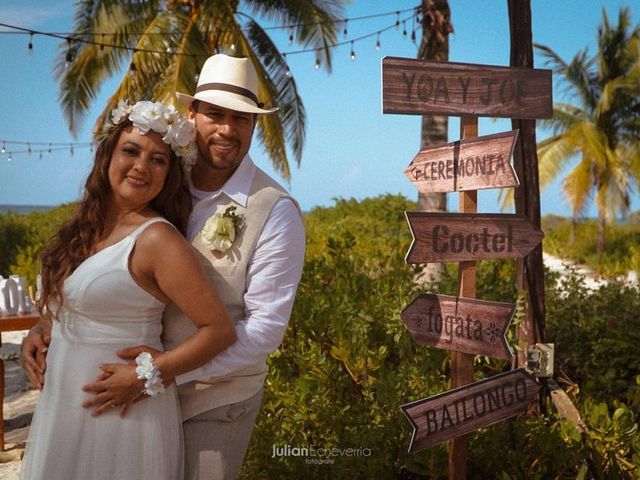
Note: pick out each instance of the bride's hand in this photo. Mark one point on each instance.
(116, 386)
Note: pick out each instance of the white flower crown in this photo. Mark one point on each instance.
(176, 130)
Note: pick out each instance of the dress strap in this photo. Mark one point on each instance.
(141, 228)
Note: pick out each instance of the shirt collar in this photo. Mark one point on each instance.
(239, 184)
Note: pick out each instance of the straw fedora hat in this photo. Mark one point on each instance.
(228, 82)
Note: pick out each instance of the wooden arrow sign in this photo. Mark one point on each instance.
(446, 88)
(461, 237)
(467, 408)
(481, 162)
(462, 324)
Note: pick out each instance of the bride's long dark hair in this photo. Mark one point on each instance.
(76, 239)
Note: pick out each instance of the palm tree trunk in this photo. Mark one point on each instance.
(602, 221)
(436, 26)
(530, 271)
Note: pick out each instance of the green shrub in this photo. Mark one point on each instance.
(23, 236)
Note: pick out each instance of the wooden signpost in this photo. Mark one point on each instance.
(467, 408)
(446, 88)
(460, 324)
(474, 164)
(421, 87)
(441, 237)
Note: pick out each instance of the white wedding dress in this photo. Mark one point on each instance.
(104, 310)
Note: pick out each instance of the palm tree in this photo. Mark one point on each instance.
(169, 40)
(603, 128)
(434, 45)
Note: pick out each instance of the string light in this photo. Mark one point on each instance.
(30, 46)
(404, 29)
(344, 32)
(290, 36)
(318, 61)
(76, 37)
(46, 148)
(378, 42)
(353, 53)
(133, 70)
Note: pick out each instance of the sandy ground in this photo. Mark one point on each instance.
(20, 399)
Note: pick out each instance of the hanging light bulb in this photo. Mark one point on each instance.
(49, 148)
(169, 50)
(290, 36)
(4, 147)
(317, 62)
(353, 53)
(70, 54)
(404, 29)
(284, 58)
(30, 47)
(397, 20)
(40, 155)
(29, 149)
(413, 36)
(196, 77)
(102, 42)
(9, 157)
(378, 42)
(344, 32)
(71, 149)
(233, 47)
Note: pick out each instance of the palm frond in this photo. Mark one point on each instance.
(316, 20)
(292, 113)
(577, 186)
(80, 80)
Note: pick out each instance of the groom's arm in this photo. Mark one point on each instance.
(272, 280)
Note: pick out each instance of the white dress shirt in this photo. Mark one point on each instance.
(272, 276)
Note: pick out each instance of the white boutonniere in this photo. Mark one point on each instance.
(221, 230)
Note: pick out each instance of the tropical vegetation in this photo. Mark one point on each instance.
(166, 43)
(601, 128)
(347, 362)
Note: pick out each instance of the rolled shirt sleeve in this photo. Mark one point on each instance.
(272, 280)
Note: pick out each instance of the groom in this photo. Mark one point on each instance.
(256, 277)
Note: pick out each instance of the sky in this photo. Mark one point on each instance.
(352, 150)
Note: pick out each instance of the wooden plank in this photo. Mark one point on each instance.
(462, 324)
(14, 323)
(565, 406)
(462, 371)
(411, 86)
(470, 407)
(441, 237)
(473, 164)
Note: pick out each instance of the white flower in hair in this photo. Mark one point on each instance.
(180, 133)
(120, 112)
(147, 116)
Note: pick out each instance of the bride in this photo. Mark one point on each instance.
(106, 277)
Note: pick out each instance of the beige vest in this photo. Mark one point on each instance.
(228, 273)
